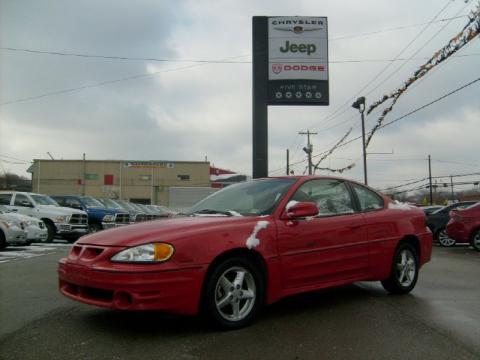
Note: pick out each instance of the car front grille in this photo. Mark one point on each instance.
(79, 219)
(122, 218)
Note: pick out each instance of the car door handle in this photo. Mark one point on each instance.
(353, 227)
(14, 209)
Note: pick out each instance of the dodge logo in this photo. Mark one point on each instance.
(277, 68)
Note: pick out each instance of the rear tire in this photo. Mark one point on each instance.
(234, 293)
(475, 241)
(404, 271)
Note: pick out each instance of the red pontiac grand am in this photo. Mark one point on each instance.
(251, 244)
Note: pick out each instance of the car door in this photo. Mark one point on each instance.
(330, 247)
(381, 226)
(22, 204)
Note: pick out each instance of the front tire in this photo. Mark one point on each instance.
(475, 242)
(50, 232)
(3, 241)
(234, 293)
(404, 272)
(444, 239)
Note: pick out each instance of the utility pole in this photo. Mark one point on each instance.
(288, 162)
(430, 178)
(84, 174)
(308, 149)
(359, 104)
(451, 184)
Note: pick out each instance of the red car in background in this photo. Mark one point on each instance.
(251, 244)
(464, 226)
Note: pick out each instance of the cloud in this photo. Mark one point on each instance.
(184, 112)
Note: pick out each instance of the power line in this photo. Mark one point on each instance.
(346, 106)
(403, 116)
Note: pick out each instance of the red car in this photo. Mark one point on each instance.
(464, 226)
(251, 244)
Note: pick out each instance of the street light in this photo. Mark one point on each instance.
(360, 105)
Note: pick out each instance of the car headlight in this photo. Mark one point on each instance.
(157, 252)
(108, 218)
(62, 218)
(8, 224)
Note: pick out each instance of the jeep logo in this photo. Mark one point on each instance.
(301, 48)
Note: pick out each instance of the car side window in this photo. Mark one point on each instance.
(368, 199)
(5, 199)
(21, 200)
(72, 203)
(331, 196)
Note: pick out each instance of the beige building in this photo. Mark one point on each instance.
(139, 181)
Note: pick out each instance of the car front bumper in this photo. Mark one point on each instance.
(69, 229)
(112, 225)
(175, 291)
(35, 233)
(16, 235)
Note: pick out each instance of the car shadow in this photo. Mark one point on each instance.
(152, 323)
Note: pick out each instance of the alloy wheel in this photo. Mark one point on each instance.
(444, 239)
(235, 294)
(406, 268)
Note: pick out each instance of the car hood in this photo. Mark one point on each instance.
(20, 217)
(107, 211)
(168, 230)
(60, 210)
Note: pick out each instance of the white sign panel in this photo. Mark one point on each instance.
(297, 48)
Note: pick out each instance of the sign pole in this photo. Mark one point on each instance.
(259, 100)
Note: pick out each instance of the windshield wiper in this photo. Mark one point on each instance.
(213, 212)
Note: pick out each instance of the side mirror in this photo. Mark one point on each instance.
(26, 204)
(300, 210)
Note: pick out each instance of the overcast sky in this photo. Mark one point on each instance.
(179, 110)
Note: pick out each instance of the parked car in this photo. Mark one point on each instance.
(464, 226)
(152, 215)
(35, 228)
(431, 208)
(140, 215)
(250, 244)
(112, 204)
(162, 211)
(66, 222)
(12, 231)
(437, 222)
(99, 217)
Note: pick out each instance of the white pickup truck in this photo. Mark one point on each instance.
(67, 222)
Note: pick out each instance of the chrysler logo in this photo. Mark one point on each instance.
(296, 29)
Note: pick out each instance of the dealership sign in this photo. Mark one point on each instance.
(289, 67)
(297, 61)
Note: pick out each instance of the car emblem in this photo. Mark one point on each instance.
(297, 29)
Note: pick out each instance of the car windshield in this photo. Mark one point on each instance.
(252, 198)
(126, 205)
(44, 200)
(92, 203)
(112, 204)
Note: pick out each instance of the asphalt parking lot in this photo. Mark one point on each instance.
(438, 320)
